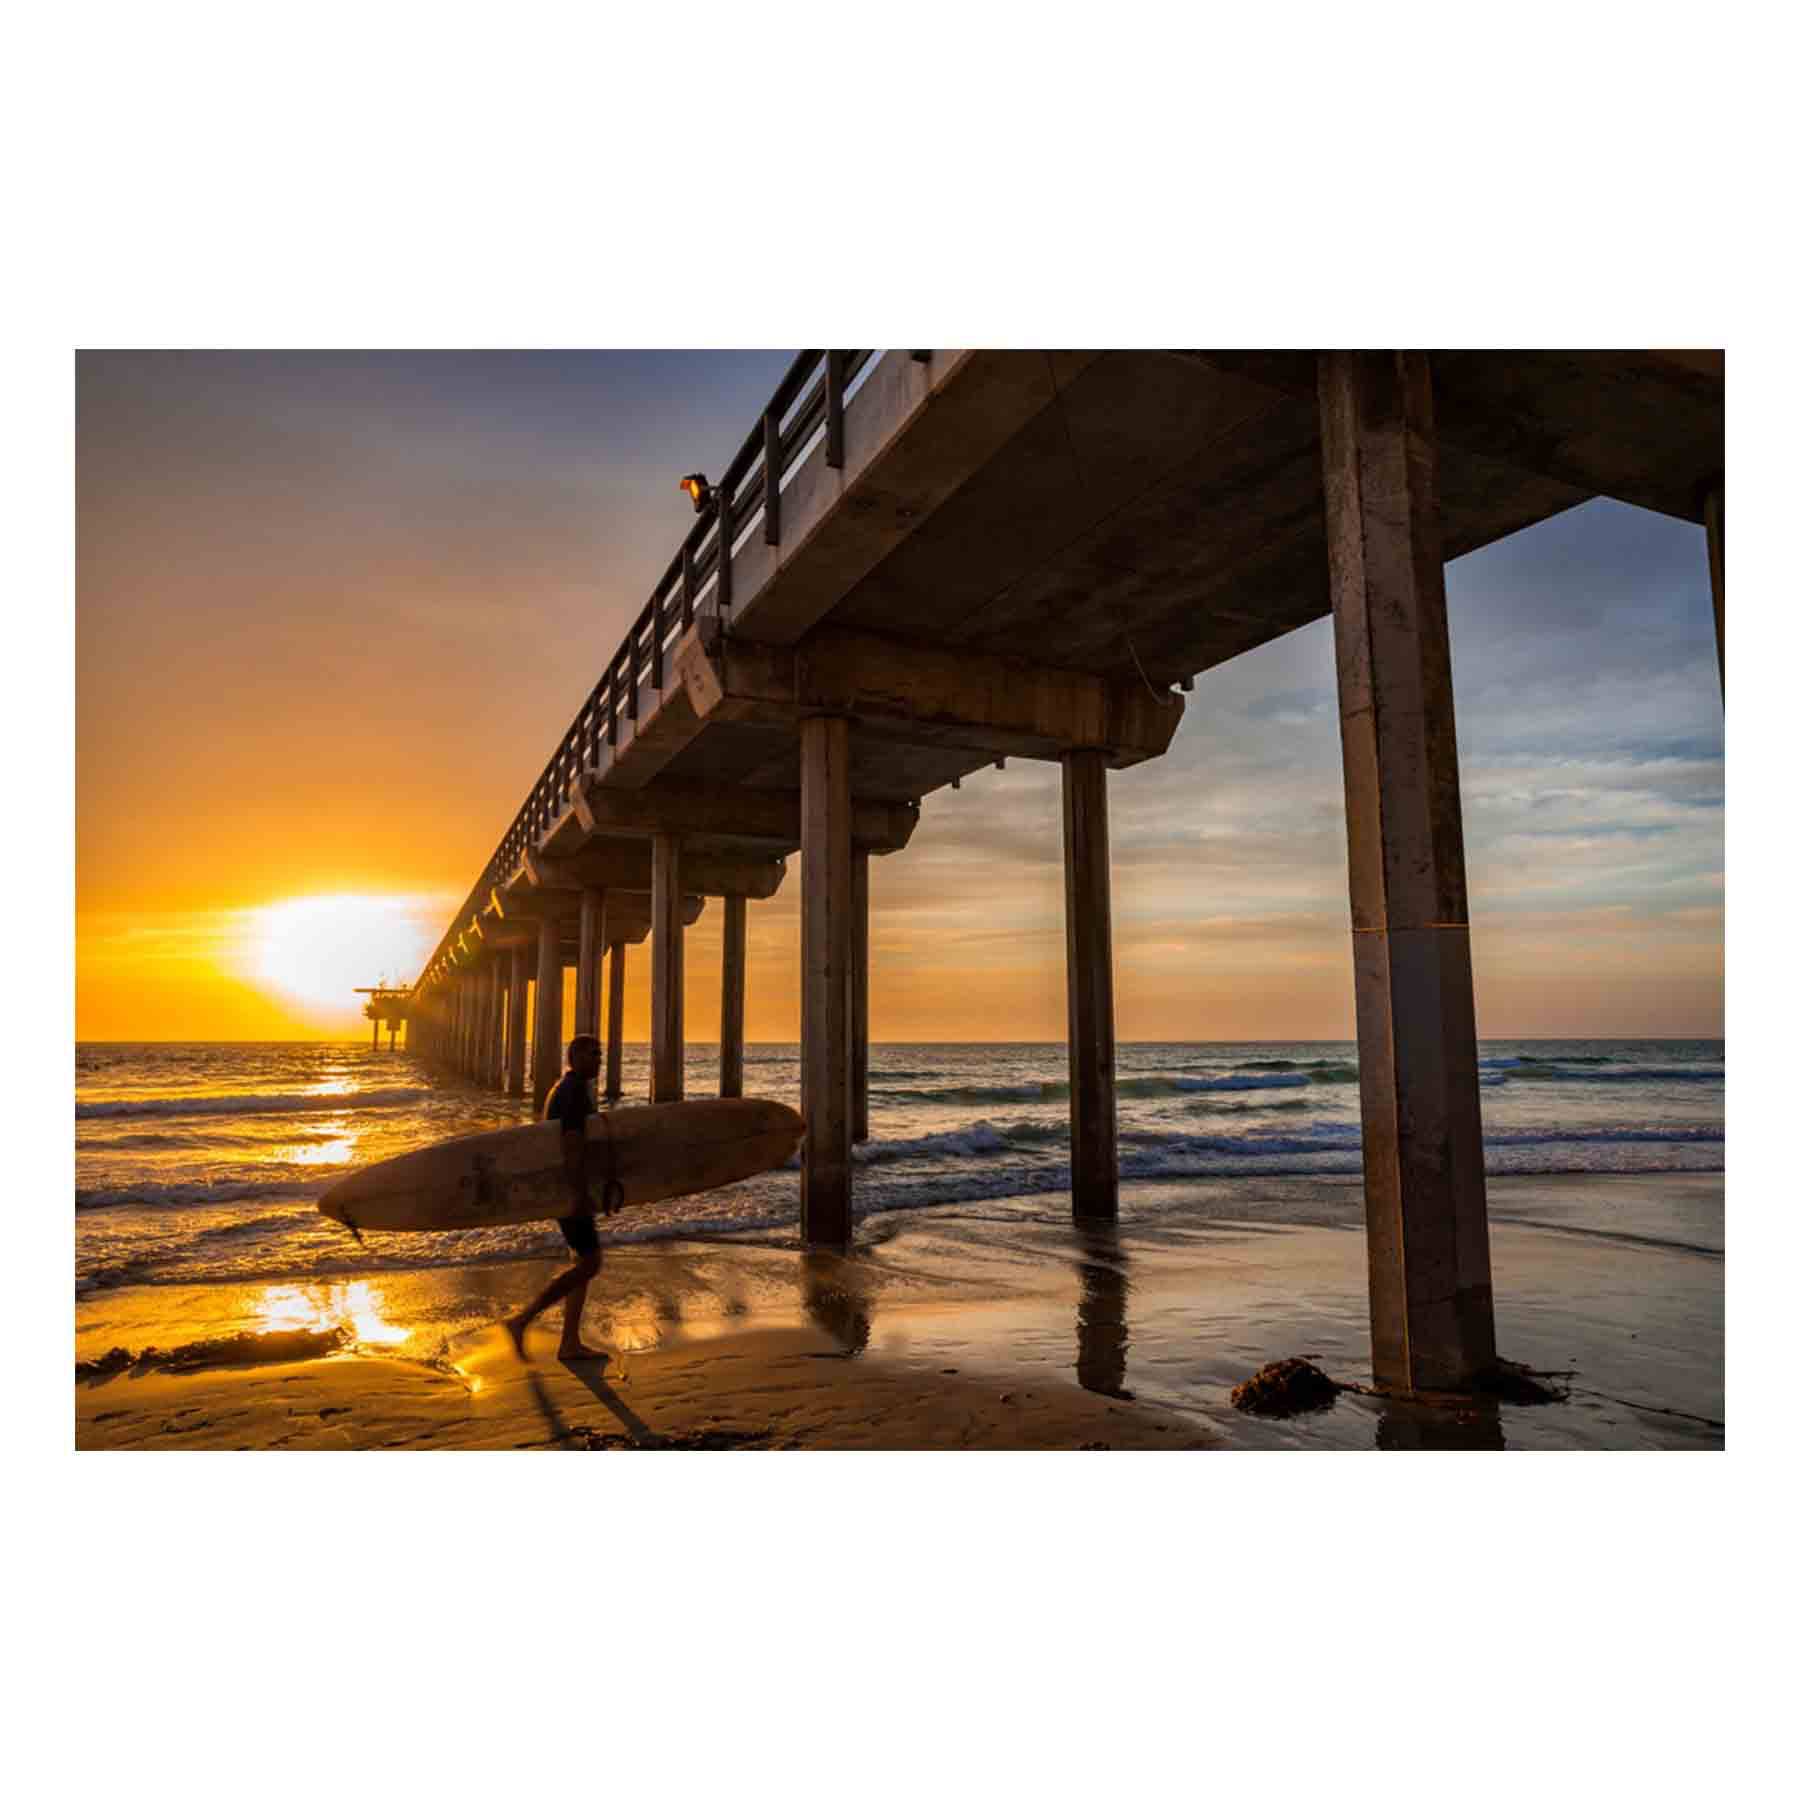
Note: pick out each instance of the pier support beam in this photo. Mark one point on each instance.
(825, 948)
(1714, 509)
(1087, 927)
(668, 1042)
(589, 950)
(859, 996)
(731, 1000)
(615, 1021)
(515, 1023)
(546, 1064)
(1431, 1301)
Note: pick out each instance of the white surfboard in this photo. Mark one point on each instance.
(508, 1177)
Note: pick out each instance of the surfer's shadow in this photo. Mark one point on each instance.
(592, 1377)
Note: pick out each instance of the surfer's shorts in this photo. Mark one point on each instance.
(580, 1234)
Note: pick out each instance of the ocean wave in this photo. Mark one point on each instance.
(218, 1191)
(201, 1105)
(978, 1139)
(1128, 1087)
(987, 1137)
(1548, 1071)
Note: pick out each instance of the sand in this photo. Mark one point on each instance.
(996, 1326)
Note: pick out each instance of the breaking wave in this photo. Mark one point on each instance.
(224, 1191)
(200, 1105)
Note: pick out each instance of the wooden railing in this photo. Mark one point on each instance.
(809, 402)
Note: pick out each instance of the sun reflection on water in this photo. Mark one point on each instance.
(353, 1307)
(331, 1152)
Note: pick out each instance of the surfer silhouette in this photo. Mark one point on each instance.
(570, 1104)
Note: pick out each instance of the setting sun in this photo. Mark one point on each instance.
(317, 950)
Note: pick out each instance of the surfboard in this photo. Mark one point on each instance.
(508, 1177)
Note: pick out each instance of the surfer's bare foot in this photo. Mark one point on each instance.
(579, 1352)
(515, 1329)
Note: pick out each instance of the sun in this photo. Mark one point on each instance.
(317, 951)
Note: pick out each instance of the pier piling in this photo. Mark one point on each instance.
(731, 1000)
(1087, 925)
(1425, 1189)
(515, 1022)
(615, 1021)
(825, 948)
(587, 961)
(547, 1048)
(668, 1047)
(859, 996)
(493, 1065)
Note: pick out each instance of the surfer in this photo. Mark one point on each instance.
(571, 1103)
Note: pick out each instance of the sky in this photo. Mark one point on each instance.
(335, 610)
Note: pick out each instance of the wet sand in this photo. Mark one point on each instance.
(996, 1325)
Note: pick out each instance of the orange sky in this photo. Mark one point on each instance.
(334, 611)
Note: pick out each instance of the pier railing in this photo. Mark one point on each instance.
(808, 404)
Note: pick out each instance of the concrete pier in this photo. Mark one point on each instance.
(992, 554)
(731, 999)
(547, 1046)
(1087, 926)
(1431, 1300)
(825, 947)
(668, 1036)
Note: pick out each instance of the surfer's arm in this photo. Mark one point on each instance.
(574, 1156)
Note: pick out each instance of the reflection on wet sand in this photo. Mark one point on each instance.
(1101, 1334)
(836, 1299)
(1418, 1425)
(352, 1307)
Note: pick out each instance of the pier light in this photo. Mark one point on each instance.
(699, 490)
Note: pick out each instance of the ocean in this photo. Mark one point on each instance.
(204, 1162)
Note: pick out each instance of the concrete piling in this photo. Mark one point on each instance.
(859, 996)
(515, 1022)
(1425, 1190)
(825, 950)
(668, 1046)
(1087, 926)
(493, 1066)
(731, 999)
(547, 1048)
(615, 1021)
(590, 947)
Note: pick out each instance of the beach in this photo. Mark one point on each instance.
(995, 1324)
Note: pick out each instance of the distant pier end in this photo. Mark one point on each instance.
(387, 1006)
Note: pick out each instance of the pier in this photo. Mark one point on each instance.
(921, 563)
(385, 1006)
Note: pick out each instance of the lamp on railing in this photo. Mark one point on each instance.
(699, 490)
